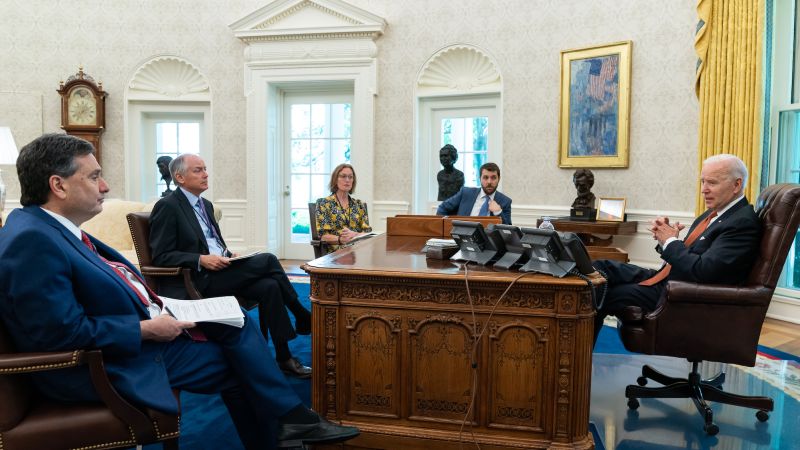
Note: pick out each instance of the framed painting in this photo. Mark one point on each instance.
(595, 106)
(611, 209)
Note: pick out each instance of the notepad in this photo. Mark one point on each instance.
(249, 255)
(224, 310)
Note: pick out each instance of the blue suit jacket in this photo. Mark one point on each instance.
(55, 294)
(461, 204)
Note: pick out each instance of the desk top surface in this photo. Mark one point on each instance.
(385, 255)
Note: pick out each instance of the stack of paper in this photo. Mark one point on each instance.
(223, 310)
(445, 243)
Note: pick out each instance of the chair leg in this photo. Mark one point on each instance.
(714, 394)
(653, 374)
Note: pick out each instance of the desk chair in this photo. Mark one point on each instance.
(139, 224)
(715, 322)
(30, 422)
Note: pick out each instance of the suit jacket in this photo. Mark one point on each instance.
(724, 253)
(176, 239)
(55, 294)
(461, 204)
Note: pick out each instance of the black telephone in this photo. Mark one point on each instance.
(576, 252)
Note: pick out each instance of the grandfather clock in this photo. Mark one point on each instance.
(83, 108)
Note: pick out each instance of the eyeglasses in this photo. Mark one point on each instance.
(345, 177)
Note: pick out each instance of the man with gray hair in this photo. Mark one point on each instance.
(184, 233)
(720, 247)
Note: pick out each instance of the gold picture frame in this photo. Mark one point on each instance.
(611, 209)
(594, 119)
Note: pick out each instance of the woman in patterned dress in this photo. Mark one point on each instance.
(340, 217)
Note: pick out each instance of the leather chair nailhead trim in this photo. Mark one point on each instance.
(37, 367)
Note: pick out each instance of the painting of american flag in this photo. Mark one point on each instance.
(595, 110)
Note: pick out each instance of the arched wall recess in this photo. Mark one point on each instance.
(458, 80)
(162, 85)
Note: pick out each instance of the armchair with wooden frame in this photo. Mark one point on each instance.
(703, 322)
(28, 421)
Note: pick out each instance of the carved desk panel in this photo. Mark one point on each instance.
(398, 352)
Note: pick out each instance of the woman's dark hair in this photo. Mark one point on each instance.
(45, 156)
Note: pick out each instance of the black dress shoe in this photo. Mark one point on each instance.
(293, 368)
(322, 432)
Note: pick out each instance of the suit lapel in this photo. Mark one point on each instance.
(84, 251)
(468, 201)
(719, 220)
(191, 218)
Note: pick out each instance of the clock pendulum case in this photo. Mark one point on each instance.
(83, 108)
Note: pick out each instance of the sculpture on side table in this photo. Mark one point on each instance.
(583, 208)
(163, 167)
(450, 179)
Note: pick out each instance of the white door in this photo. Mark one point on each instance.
(317, 139)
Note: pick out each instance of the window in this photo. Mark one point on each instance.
(469, 135)
(173, 138)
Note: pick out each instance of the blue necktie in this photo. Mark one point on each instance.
(484, 211)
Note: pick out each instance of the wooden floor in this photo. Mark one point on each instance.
(777, 334)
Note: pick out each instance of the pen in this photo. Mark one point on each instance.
(184, 331)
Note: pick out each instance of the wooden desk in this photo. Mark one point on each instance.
(392, 351)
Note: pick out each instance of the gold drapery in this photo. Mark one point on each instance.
(728, 44)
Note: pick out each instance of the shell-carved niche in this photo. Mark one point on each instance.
(169, 78)
(459, 69)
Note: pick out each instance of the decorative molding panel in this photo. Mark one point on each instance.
(286, 20)
(170, 78)
(459, 69)
(232, 224)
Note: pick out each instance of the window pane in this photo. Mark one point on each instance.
(470, 136)
(189, 137)
(319, 156)
(301, 191)
(301, 156)
(340, 120)
(319, 186)
(301, 230)
(320, 123)
(340, 152)
(166, 137)
(301, 119)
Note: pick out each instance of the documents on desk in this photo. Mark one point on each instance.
(360, 237)
(224, 310)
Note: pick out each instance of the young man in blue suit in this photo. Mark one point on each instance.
(62, 289)
(486, 201)
(720, 246)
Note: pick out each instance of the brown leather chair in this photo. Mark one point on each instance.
(29, 421)
(715, 322)
(139, 224)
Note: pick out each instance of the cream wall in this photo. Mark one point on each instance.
(43, 42)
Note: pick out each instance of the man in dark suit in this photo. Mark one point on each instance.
(184, 233)
(720, 246)
(61, 289)
(486, 201)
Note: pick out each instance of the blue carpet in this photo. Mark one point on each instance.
(205, 424)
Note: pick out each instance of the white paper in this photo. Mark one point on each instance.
(223, 310)
(236, 258)
(363, 236)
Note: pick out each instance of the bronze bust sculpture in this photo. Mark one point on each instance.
(450, 179)
(583, 206)
(163, 167)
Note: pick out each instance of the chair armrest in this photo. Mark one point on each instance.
(21, 363)
(153, 271)
(17, 363)
(683, 292)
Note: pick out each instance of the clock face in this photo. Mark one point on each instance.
(82, 107)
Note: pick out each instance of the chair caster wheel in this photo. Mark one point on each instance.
(633, 403)
(762, 416)
(711, 429)
(641, 381)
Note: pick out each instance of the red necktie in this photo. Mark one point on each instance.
(119, 269)
(664, 272)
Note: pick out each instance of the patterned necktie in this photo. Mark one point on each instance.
(119, 269)
(664, 272)
(484, 211)
(204, 215)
